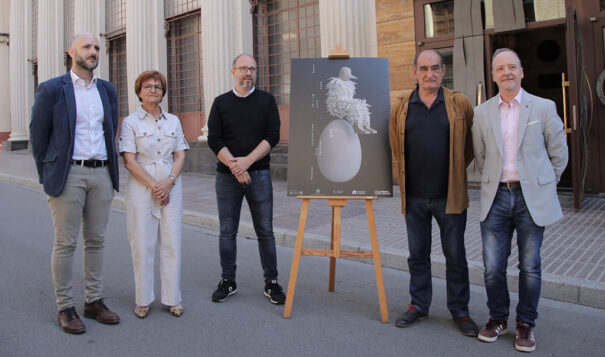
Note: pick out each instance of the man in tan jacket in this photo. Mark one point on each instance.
(431, 142)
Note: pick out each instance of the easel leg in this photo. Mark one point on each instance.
(296, 258)
(382, 299)
(336, 205)
(332, 275)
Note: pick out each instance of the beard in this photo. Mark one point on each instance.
(89, 66)
(247, 83)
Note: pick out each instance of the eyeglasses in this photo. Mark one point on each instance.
(244, 69)
(151, 86)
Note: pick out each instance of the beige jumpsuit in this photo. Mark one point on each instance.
(148, 223)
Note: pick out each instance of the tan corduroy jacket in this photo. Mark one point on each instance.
(460, 116)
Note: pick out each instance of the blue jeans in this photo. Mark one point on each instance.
(419, 214)
(259, 195)
(509, 212)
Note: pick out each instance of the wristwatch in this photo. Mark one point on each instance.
(173, 178)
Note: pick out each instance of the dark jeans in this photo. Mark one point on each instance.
(259, 196)
(419, 214)
(508, 213)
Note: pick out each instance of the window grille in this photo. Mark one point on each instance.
(115, 17)
(185, 66)
(34, 30)
(117, 72)
(68, 24)
(178, 7)
(282, 30)
(68, 30)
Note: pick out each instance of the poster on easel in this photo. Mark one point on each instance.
(339, 128)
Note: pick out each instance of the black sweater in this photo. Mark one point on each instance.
(240, 124)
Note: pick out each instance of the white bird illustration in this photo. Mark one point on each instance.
(342, 104)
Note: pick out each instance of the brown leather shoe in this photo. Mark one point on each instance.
(98, 311)
(70, 322)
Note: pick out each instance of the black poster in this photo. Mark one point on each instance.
(339, 127)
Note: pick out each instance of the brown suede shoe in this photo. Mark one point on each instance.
(70, 322)
(98, 311)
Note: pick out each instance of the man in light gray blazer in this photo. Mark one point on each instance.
(521, 152)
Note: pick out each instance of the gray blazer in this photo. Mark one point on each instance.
(541, 155)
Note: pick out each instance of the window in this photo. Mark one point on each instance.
(117, 72)
(179, 7)
(68, 30)
(434, 24)
(115, 27)
(543, 10)
(448, 59)
(34, 30)
(282, 30)
(487, 10)
(185, 66)
(535, 11)
(435, 30)
(115, 17)
(439, 19)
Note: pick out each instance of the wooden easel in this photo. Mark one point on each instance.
(337, 202)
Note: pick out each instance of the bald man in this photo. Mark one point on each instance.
(243, 127)
(72, 130)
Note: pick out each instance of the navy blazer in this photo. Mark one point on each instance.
(53, 126)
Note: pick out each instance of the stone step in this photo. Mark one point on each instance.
(200, 159)
(279, 158)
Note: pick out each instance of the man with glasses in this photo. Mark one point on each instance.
(72, 130)
(243, 126)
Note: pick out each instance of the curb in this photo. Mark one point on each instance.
(572, 290)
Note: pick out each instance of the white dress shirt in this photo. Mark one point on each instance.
(509, 124)
(245, 95)
(89, 142)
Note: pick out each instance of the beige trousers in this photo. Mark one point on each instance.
(83, 205)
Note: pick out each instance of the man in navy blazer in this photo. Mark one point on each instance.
(521, 152)
(72, 130)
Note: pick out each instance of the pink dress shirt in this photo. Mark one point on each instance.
(509, 123)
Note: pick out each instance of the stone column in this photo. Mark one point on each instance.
(145, 42)
(349, 23)
(89, 16)
(5, 98)
(21, 79)
(50, 39)
(226, 32)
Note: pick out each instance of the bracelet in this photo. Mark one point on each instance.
(173, 178)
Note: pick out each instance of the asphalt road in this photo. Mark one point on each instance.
(343, 323)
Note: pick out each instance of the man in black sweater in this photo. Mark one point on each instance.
(243, 126)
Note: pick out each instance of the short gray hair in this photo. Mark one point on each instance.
(240, 55)
(504, 49)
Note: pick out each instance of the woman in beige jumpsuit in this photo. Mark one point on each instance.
(153, 147)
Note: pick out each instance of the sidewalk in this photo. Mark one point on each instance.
(573, 252)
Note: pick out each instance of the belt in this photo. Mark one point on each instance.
(511, 185)
(89, 163)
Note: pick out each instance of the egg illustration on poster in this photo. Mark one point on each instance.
(339, 151)
(338, 142)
